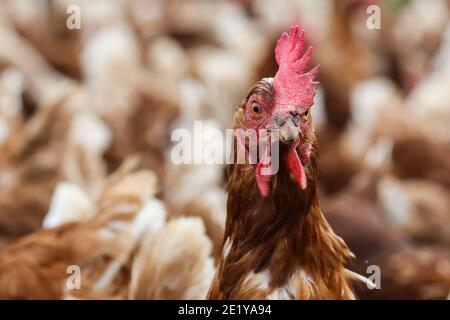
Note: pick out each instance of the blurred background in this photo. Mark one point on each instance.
(87, 114)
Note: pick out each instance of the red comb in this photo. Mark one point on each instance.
(292, 85)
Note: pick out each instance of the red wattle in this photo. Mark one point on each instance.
(262, 181)
(296, 167)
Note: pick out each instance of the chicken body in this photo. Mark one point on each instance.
(122, 246)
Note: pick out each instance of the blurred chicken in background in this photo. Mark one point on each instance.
(77, 106)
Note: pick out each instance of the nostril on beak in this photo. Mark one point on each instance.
(289, 131)
(278, 121)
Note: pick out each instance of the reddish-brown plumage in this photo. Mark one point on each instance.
(277, 243)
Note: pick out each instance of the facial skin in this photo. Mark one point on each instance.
(260, 111)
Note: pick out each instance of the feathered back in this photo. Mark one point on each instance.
(174, 263)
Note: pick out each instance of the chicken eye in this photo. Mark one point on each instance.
(256, 109)
(306, 113)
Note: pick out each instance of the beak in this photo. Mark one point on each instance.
(289, 130)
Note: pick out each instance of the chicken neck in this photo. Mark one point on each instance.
(280, 234)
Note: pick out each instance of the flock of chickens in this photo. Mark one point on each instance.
(86, 115)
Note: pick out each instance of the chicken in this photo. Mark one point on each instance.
(418, 207)
(117, 244)
(406, 37)
(53, 39)
(60, 141)
(29, 171)
(185, 272)
(407, 272)
(76, 103)
(416, 273)
(41, 259)
(344, 61)
(277, 242)
(386, 235)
